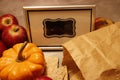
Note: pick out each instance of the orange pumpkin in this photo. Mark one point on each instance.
(22, 62)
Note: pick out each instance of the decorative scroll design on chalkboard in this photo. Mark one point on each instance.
(59, 27)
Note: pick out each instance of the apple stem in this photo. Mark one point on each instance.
(21, 58)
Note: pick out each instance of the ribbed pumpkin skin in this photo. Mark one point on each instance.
(32, 66)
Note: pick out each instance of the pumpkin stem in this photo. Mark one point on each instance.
(20, 57)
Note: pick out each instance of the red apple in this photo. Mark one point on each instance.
(43, 78)
(2, 48)
(7, 20)
(14, 34)
(101, 22)
(0, 34)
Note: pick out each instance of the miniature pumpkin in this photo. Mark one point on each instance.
(22, 62)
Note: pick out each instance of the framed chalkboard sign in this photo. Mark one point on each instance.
(54, 25)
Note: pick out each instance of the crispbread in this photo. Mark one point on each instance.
(53, 70)
(51, 61)
(58, 73)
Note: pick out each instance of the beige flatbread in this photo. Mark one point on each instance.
(58, 73)
(53, 70)
(51, 62)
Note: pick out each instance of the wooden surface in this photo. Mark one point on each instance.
(104, 8)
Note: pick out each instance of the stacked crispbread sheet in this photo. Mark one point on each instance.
(53, 69)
